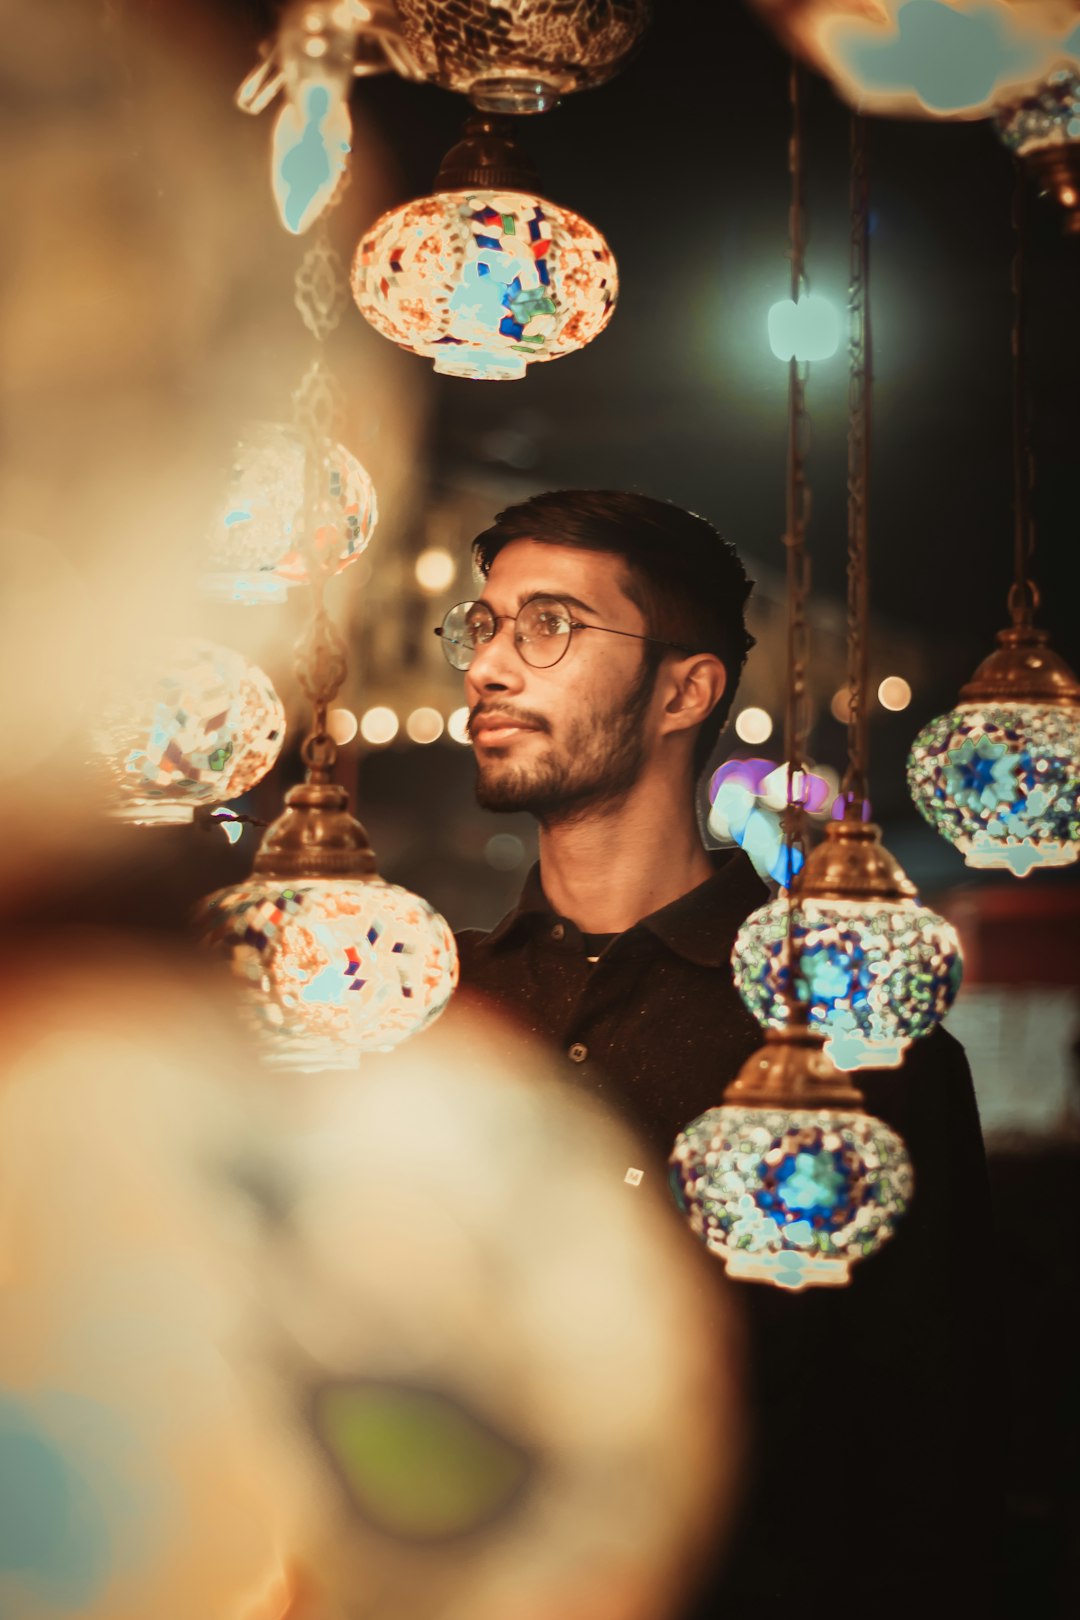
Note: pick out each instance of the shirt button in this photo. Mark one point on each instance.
(578, 1053)
(558, 931)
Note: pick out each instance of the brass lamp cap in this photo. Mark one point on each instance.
(316, 837)
(1056, 170)
(1023, 668)
(487, 156)
(792, 1071)
(851, 863)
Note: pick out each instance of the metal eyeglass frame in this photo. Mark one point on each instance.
(520, 641)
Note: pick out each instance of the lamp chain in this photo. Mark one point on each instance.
(320, 295)
(796, 715)
(1023, 594)
(797, 504)
(860, 362)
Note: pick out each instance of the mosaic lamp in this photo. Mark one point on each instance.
(255, 541)
(520, 56)
(999, 775)
(485, 277)
(790, 1182)
(875, 968)
(201, 727)
(1043, 132)
(333, 961)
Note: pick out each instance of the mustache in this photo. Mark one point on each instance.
(517, 717)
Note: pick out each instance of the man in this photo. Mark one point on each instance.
(600, 665)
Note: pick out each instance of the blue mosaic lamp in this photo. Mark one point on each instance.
(790, 1182)
(875, 968)
(485, 277)
(999, 775)
(333, 961)
(1043, 131)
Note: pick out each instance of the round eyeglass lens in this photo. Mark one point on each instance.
(463, 628)
(542, 632)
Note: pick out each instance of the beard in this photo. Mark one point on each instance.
(596, 766)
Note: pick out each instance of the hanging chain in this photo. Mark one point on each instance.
(796, 713)
(796, 716)
(1024, 594)
(860, 360)
(320, 295)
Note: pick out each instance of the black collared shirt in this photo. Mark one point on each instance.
(869, 1402)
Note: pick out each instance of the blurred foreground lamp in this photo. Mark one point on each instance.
(518, 56)
(254, 543)
(485, 277)
(1043, 132)
(876, 969)
(790, 1181)
(202, 727)
(999, 775)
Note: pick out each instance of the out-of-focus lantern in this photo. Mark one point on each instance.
(520, 56)
(1043, 130)
(929, 58)
(199, 726)
(485, 277)
(254, 542)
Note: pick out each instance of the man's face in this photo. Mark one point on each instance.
(570, 740)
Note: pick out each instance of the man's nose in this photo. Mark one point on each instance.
(496, 664)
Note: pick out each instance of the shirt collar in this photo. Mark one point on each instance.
(700, 925)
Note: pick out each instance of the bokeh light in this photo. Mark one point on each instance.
(379, 725)
(342, 725)
(435, 570)
(457, 726)
(753, 726)
(504, 852)
(424, 725)
(894, 693)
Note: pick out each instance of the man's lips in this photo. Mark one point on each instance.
(498, 728)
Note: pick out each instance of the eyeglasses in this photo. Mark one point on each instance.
(543, 627)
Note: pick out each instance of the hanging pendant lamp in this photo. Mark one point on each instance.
(1042, 130)
(999, 775)
(876, 968)
(789, 1181)
(332, 960)
(485, 277)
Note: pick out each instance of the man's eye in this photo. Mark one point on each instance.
(478, 628)
(548, 622)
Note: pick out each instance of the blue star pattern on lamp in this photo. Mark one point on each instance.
(790, 1197)
(1001, 781)
(876, 974)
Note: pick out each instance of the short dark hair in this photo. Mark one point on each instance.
(687, 580)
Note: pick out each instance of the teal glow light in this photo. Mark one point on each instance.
(804, 331)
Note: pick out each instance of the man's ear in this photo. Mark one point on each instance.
(694, 687)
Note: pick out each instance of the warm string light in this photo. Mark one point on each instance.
(999, 774)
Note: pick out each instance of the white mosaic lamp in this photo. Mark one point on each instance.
(198, 727)
(485, 277)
